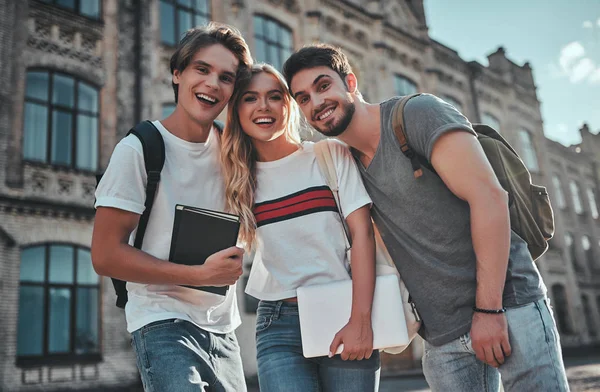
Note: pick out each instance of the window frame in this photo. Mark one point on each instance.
(575, 191)
(74, 112)
(268, 42)
(560, 195)
(63, 358)
(400, 77)
(497, 125)
(531, 146)
(77, 9)
(180, 7)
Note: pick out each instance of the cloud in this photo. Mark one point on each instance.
(588, 24)
(595, 76)
(570, 54)
(581, 70)
(574, 64)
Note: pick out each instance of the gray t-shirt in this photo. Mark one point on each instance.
(426, 228)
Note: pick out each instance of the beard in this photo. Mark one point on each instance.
(334, 130)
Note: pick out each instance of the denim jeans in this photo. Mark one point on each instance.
(176, 355)
(283, 368)
(535, 363)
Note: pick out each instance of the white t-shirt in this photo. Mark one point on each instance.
(191, 176)
(299, 236)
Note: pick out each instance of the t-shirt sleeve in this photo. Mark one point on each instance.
(352, 192)
(426, 118)
(123, 185)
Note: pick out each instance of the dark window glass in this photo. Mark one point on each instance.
(87, 8)
(59, 297)
(404, 86)
(61, 121)
(560, 307)
(178, 16)
(272, 40)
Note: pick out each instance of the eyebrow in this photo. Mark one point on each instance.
(313, 83)
(207, 65)
(268, 92)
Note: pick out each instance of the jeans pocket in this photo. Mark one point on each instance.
(262, 323)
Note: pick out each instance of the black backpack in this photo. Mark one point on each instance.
(154, 160)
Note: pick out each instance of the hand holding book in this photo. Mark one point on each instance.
(207, 238)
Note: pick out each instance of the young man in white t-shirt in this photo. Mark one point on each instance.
(183, 338)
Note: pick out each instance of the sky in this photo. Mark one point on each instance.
(559, 38)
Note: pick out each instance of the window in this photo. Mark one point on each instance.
(593, 206)
(453, 101)
(58, 303)
(61, 121)
(559, 301)
(559, 196)
(88, 8)
(168, 109)
(404, 86)
(273, 41)
(570, 244)
(178, 16)
(588, 316)
(490, 120)
(527, 150)
(577, 205)
(587, 248)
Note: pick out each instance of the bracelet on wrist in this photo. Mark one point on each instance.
(489, 311)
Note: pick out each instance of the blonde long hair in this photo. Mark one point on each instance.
(238, 156)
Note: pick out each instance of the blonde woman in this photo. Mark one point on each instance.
(289, 217)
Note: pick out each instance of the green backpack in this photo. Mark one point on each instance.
(531, 215)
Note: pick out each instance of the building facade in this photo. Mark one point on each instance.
(77, 74)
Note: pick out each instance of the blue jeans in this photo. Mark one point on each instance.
(283, 368)
(535, 363)
(176, 355)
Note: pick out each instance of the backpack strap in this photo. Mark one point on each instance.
(398, 125)
(327, 167)
(154, 160)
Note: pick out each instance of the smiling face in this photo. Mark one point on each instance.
(262, 109)
(324, 99)
(206, 84)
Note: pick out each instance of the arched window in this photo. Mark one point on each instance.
(591, 327)
(453, 101)
(560, 306)
(571, 249)
(558, 196)
(592, 200)
(88, 8)
(59, 298)
(178, 16)
(575, 195)
(492, 121)
(273, 41)
(403, 85)
(528, 150)
(587, 248)
(61, 120)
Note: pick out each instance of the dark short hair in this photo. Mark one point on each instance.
(317, 55)
(211, 34)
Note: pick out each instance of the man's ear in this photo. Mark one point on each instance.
(352, 83)
(176, 76)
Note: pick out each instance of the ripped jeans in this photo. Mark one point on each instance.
(176, 355)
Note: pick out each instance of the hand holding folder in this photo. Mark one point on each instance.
(199, 233)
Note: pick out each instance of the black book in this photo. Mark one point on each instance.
(199, 233)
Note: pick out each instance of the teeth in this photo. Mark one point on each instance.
(206, 98)
(326, 114)
(264, 120)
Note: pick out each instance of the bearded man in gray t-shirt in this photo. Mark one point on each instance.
(483, 303)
